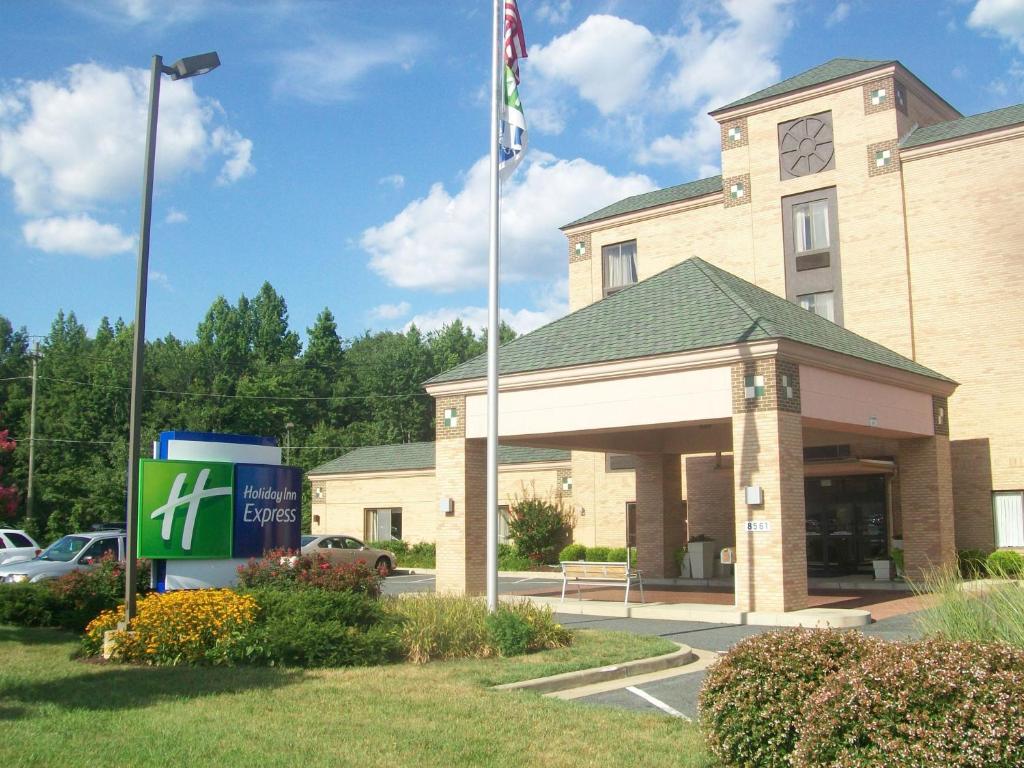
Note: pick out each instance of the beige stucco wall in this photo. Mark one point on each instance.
(965, 236)
(347, 497)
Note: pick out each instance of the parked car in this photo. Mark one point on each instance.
(67, 554)
(16, 546)
(344, 550)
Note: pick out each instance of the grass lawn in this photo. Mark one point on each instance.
(56, 711)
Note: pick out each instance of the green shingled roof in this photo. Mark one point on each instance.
(384, 458)
(674, 194)
(690, 306)
(964, 126)
(823, 73)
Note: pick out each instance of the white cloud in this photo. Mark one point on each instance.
(606, 59)
(555, 11)
(395, 181)
(329, 69)
(143, 11)
(174, 216)
(77, 141)
(716, 65)
(440, 241)
(839, 14)
(239, 154)
(1002, 17)
(160, 278)
(80, 235)
(390, 311)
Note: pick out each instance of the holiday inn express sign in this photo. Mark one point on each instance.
(209, 510)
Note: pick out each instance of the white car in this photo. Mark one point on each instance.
(16, 546)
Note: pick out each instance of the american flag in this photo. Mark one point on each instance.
(515, 43)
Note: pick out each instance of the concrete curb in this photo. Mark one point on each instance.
(566, 680)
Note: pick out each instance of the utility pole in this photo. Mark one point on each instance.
(32, 433)
(288, 443)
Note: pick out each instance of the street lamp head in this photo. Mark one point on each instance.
(191, 66)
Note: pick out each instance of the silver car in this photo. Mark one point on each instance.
(345, 550)
(67, 554)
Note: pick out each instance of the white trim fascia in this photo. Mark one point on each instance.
(615, 369)
(957, 143)
(846, 364)
(529, 466)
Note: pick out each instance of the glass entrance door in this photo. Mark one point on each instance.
(846, 523)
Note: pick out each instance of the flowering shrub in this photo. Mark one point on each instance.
(932, 703)
(539, 527)
(182, 627)
(284, 569)
(751, 700)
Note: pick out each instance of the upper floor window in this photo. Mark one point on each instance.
(619, 266)
(811, 240)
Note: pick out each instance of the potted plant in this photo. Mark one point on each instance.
(683, 561)
(701, 550)
(883, 569)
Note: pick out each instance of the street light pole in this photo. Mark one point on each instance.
(29, 495)
(188, 67)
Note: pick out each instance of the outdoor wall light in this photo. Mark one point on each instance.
(190, 66)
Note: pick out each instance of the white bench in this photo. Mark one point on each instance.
(600, 574)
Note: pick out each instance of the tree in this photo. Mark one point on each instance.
(8, 493)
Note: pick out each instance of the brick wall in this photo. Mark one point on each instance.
(710, 505)
(461, 537)
(926, 495)
(659, 509)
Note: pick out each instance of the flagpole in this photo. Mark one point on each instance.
(497, 60)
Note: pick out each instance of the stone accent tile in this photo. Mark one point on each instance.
(563, 478)
(940, 415)
(880, 95)
(450, 421)
(883, 157)
(734, 134)
(736, 190)
(579, 247)
(766, 385)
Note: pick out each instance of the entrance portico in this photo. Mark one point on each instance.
(733, 370)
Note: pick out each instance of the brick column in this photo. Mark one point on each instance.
(710, 506)
(461, 473)
(767, 436)
(926, 498)
(659, 513)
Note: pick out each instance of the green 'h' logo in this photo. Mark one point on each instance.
(185, 509)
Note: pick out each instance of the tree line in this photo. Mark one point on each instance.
(245, 372)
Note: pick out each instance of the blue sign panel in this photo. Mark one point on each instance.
(268, 504)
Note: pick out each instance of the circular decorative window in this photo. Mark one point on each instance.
(806, 146)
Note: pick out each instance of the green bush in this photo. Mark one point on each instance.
(679, 554)
(1005, 563)
(509, 633)
(598, 554)
(394, 546)
(573, 552)
(750, 702)
(316, 628)
(422, 554)
(539, 527)
(932, 703)
(69, 601)
(510, 560)
(617, 555)
(28, 605)
(897, 559)
(971, 563)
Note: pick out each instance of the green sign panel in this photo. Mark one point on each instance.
(185, 509)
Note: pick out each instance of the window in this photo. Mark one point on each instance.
(332, 543)
(619, 462)
(503, 536)
(811, 243)
(1008, 509)
(351, 543)
(17, 540)
(822, 304)
(98, 549)
(619, 266)
(384, 524)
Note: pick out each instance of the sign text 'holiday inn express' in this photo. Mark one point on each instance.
(212, 510)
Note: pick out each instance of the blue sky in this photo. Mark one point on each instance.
(338, 151)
